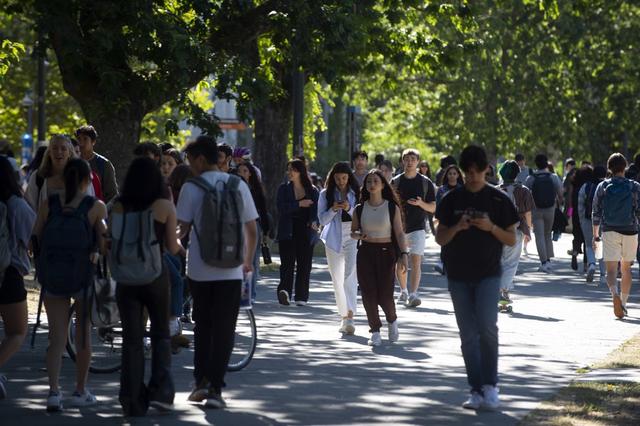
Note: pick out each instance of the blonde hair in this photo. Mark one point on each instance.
(46, 169)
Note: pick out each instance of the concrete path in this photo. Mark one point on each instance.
(304, 373)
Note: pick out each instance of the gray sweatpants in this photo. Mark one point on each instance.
(542, 223)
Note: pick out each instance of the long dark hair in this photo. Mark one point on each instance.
(388, 193)
(341, 167)
(75, 172)
(177, 178)
(445, 181)
(8, 183)
(142, 185)
(255, 184)
(299, 166)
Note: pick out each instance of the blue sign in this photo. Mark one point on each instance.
(27, 148)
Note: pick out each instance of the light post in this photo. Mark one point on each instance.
(27, 138)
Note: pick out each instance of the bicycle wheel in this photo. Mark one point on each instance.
(106, 346)
(245, 341)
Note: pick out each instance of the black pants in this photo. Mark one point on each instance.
(132, 299)
(296, 254)
(215, 311)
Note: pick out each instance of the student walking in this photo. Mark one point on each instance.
(585, 208)
(476, 221)
(360, 161)
(297, 202)
(16, 223)
(523, 201)
(377, 223)
(87, 138)
(142, 220)
(215, 276)
(546, 189)
(615, 213)
(65, 267)
(418, 198)
(336, 205)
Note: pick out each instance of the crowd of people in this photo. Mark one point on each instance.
(193, 221)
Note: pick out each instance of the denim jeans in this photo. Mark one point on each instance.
(174, 266)
(475, 306)
(510, 260)
(256, 264)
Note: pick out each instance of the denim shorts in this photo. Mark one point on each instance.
(416, 241)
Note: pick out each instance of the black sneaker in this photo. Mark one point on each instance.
(574, 262)
(283, 297)
(215, 400)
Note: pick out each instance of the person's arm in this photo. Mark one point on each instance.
(286, 205)
(596, 211)
(506, 235)
(172, 243)
(23, 219)
(419, 202)
(582, 200)
(445, 234)
(110, 184)
(398, 231)
(251, 239)
(100, 227)
(326, 215)
(559, 189)
(356, 232)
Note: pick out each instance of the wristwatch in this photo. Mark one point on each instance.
(404, 252)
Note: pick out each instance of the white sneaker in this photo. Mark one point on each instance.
(375, 339)
(301, 303)
(348, 326)
(84, 399)
(548, 268)
(402, 299)
(474, 402)
(414, 301)
(491, 397)
(394, 333)
(54, 401)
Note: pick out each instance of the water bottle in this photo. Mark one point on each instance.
(598, 248)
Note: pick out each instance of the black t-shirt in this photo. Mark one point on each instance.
(411, 188)
(474, 255)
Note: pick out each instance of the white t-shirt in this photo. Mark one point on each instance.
(189, 208)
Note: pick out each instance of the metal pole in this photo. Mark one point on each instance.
(42, 132)
(298, 112)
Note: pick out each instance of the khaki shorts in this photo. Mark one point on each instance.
(617, 246)
(416, 241)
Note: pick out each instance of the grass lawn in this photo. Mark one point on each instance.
(596, 403)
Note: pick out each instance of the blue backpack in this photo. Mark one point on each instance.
(618, 203)
(63, 264)
(543, 190)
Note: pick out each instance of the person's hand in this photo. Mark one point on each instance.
(415, 201)
(336, 206)
(527, 239)
(403, 262)
(358, 236)
(345, 205)
(94, 257)
(305, 203)
(315, 226)
(247, 267)
(464, 223)
(482, 223)
(594, 243)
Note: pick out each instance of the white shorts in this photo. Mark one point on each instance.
(416, 241)
(617, 246)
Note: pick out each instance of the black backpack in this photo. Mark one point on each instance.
(543, 190)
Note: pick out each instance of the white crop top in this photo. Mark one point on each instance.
(375, 222)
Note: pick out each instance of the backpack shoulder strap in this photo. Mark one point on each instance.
(101, 163)
(55, 206)
(233, 182)
(425, 184)
(86, 204)
(201, 183)
(358, 212)
(392, 212)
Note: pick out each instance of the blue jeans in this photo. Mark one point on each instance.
(256, 265)
(587, 231)
(475, 305)
(174, 266)
(510, 260)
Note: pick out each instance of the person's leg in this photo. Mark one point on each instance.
(587, 232)
(256, 266)
(336, 263)
(202, 293)
(485, 301)
(304, 261)
(58, 317)
(287, 265)
(416, 249)
(177, 285)
(612, 276)
(509, 261)
(14, 316)
(155, 297)
(367, 277)
(548, 216)
(402, 275)
(629, 252)
(225, 307)
(83, 344)
(539, 232)
(133, 392)
(385, 271)
(463, 298)
(350, 276)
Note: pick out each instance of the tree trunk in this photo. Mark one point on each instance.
(118, 136)
(272, 123)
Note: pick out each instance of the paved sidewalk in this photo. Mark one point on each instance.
(305, 373)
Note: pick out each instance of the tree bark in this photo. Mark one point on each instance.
(272, 123)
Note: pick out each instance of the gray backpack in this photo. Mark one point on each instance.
(5, 250)
(135, 256)
(221, 234)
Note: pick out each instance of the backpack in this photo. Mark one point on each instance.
(63, 265)
(136, 255)
(510, 189)
(392, 214)
(104, 308)
(5, 247)
(590, 192)
(543, 190)
(221, 233)
(618, 203)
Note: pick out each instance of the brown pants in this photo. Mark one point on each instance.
(376, 271)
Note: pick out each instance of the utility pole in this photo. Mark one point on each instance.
(298, 112)
(42, 125)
